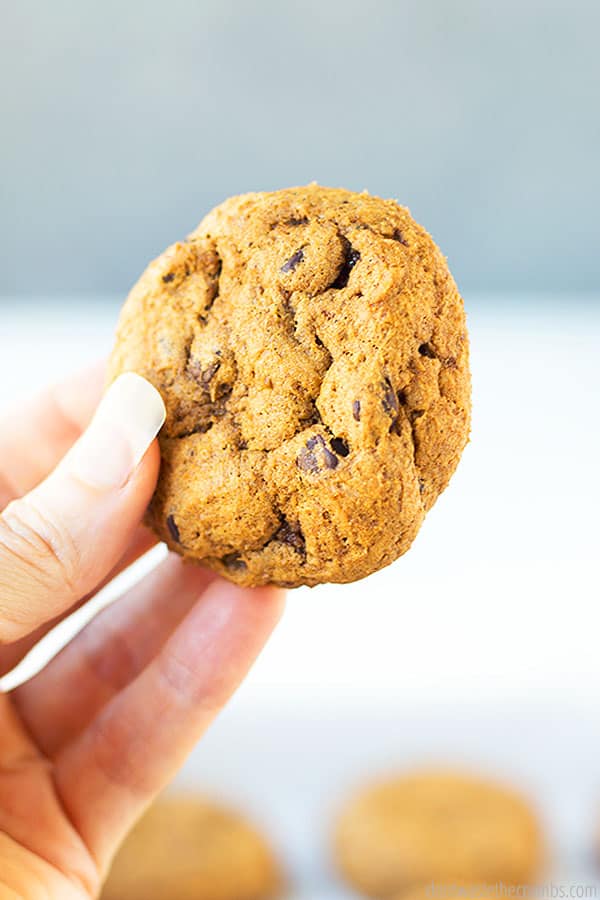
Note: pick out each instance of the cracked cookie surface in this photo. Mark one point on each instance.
(311, 349)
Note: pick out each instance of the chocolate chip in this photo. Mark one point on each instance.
(351, 257)
(309, 457)
(288, 307)
(212, 403)
(170, 276)
(293, 261)
(416, 414)
(201, 428)
(210, 372)
(391, 405)
(398, 236)
(389, 399)
(214, 270)
(173, 529)
(291, 535)
(194, 369)
(234, 562)
(427, 350)
(331, 459)
(223, 390)
(315, 441)
(339, 446)
(421, 485)
(356, 410)
(307, 461)
(291, 222)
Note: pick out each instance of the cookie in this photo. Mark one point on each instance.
(311, 349)
(187, 848)
(436, 827)
(450, 891)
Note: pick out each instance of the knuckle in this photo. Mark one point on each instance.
(177, 677)
(187, 687)
(119, 751)
(114, 670)
(38, 550)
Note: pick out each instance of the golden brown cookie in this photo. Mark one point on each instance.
(186, 848)
(450, 891)
(440, 827)
(311, 348)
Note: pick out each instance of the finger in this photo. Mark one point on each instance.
(139, 740)
(11, 654)
(108, 654)
(16, 744)
(36, 436)
(60, 540)
(50, 847)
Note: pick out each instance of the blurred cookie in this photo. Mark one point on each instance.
(436, 827)
(451, 891)
(311, 349)
(187, 848)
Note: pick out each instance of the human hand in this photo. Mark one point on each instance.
(87, 743)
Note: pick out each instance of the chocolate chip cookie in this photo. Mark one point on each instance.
(311, 349)
(187, 848)
(438, 827)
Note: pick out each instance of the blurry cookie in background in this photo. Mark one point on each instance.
(451, 891)
(436, 826)
(189, 848)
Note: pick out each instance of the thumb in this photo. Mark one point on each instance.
(59, 541)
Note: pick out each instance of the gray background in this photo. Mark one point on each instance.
(123, 122)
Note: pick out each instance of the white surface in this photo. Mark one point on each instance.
(480, 646)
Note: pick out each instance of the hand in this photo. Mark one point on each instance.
(87, 743)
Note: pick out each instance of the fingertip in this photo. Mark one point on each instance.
(272, 598)
(123, 428)
(145, 475)
(260, 607)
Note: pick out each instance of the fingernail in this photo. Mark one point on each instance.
(128, 419)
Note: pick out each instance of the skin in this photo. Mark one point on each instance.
(81, 755)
